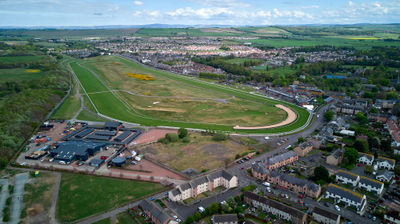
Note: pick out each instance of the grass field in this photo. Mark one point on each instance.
(281, 71)
(38, 198)
(19, 74)
(201, 153)
(172, 96)
(82, 195)
(241, 60)
(89, 116)
(70, 106)
(21, 59)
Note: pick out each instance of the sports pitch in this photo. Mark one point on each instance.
(118, 88)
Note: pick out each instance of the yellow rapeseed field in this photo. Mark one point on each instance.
(32, 70)
(139, 76)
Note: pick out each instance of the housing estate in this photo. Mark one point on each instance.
(303, 148)
(281, 160)
(259, 171)
(392, 216)
(155, 212)
(346, 177)
(371, 185)
(294, 184)
(335, 158)
(203, 184)
(385, 163)
(346, 196)
(324, 216)
(281, 210)
(385, 176)
(365, 158)
(225, 219)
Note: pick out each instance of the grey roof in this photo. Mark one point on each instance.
(79, 148)
(220, 173)
(176, 192)
(381, 159)
(185, 186)
(96, 161)
(259, 167)
(199, 181)
(325, 213)
(371, 182)
(282, 207)
(345, 193)
(305, 145)
(337, 153)
(281, 157)
(368, 156)
(347, 175)
(296, 181)
(387, 175)
(112, 124)
(225, 218)
(146, 205)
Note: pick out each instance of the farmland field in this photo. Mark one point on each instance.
(173, 100)
(82, 195)
(20, 74)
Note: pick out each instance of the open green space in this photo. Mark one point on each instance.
(83, 195)
(21, 59)
(134, 106)
(20, 74)
(85, 115)
(70, 106)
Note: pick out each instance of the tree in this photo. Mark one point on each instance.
(213, 208)
(351, 155)
(321, 173)
(397, 170)
(172, 137)
(360, 117)
(396, 109)
(300, 140)
(368, 169)
(361, 145)
(220, 136)
(196, 216)
(328, 115)
(182, 132)
(375, 142)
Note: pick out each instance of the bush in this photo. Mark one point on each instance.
(163, 140)
(172, 137)
(219, 137)
(186, 139)
(182, 132)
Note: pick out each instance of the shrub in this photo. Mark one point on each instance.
(219, 137)
(182, 132)
(163, 140)
(186, 139)
(172, 137)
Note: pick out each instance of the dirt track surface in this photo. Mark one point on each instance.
(153, 135)
(290, 118)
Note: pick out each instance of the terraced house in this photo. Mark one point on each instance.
(365, 158)
(259, 171)
(385, 163)
(346, 196)
(294, 184)
(282, 211)
(303, 148)
(155, 213)
(371, 185)
(324, 216)
(200, 185)
(346, 177)
(281, 160)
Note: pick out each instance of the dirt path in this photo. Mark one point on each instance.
(53, 207)
(17, 199)
(290, 118)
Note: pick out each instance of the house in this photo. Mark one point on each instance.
(365, 158)
(335, 158)
(259, 171)
(202, 184)
(281, 210)
(346, 196)
(385, 176)
(346, 177)
(281, 160)
(294, 184)
(155, 212)
(303, 148)
(225, 219)
(385, 163)
(347, 132)
(392, 217)
(378, 117)
(371, 185)
(324, 216)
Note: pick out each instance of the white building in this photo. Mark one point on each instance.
(365, 158)
(371, 185)
(345, 177)
(348, 197)
(385, 163)
(385, 176)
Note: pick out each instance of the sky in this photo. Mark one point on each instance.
(196, 12)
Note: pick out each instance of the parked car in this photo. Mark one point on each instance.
(300, 196)
(200, 209)
(152, 199)
(133, 162)
(286, 196)
(326, 204)
(337, 208)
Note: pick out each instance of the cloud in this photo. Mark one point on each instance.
(222, 3)
(204, 13)
(98, 14)
(138, 2)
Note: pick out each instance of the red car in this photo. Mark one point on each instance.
(359, 165)
(300, 196)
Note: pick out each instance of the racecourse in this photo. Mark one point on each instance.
(108, 103)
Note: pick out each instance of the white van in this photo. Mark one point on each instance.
(201, 209)
(266, 184)
(137, 158)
